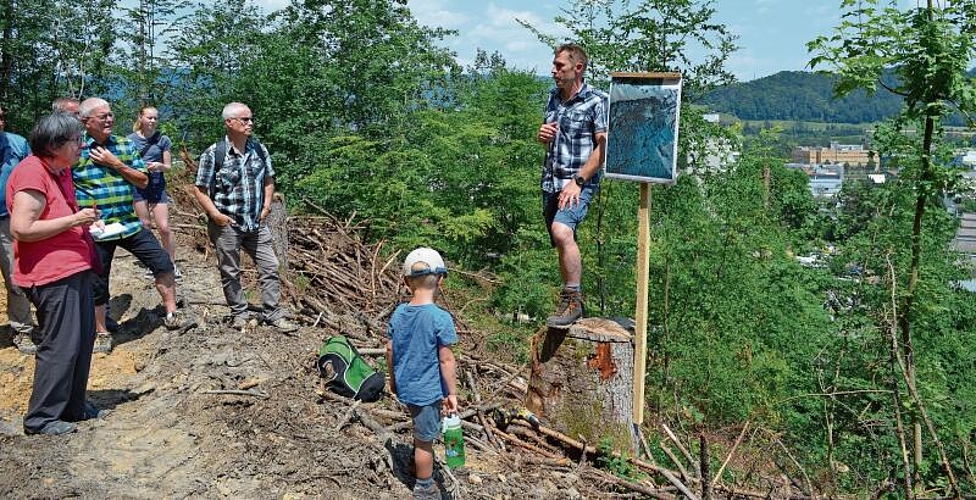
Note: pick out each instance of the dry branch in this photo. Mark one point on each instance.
(728, 458)
(684, 451)
(237, 392)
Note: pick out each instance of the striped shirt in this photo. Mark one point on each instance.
(105, 188)
(237, 190)
(580, 118)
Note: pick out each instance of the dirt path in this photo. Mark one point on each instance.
(166, 437)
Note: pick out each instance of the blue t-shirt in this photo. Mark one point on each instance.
(417, 332)
(158, 144)
(13, 149)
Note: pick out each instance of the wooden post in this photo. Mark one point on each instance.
(643, 275)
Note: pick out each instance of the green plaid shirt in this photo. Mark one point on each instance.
(107, 189)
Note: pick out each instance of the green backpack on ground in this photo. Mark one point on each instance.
(347, 373)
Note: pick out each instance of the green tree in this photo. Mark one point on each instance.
(143, 69)
(651, 35)
(50, 49)
(929, 49)
(218, 38)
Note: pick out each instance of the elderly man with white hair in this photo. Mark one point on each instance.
(234, 185)
(109, 168)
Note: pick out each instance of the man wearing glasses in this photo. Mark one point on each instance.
(13, 149)
(235, 186)
(109, 167)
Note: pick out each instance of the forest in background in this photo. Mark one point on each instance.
(803, 96)
(859, 374)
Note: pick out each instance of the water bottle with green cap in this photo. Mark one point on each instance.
(453, 440)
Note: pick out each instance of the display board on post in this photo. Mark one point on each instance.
(642, 146)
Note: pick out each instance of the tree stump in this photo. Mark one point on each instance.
(582, 381)
(277, 222)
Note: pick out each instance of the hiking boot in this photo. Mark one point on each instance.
(283, 325)
(55, 428)
(431, 492)
(181, 320)
(93, 412)
(238, 322)
(24, 344)
(174, 320)
(103, 342)
(90, 412)
(570, 309)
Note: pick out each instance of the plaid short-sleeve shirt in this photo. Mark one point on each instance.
(580, 118)
(237, 189)
(103, 187)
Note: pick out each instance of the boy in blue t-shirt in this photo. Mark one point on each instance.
(420, 361)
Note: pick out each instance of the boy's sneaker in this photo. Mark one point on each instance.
(570, 309)
(103, 342)
(431, 492)
(283, 325)
(24, 344)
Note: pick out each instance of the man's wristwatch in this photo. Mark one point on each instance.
(579, 180)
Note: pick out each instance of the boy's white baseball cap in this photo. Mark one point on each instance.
(434, 264)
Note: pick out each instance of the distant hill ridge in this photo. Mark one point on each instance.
(803, 96)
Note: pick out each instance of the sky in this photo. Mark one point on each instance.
(772, 33)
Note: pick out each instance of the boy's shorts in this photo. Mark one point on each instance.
(569, 216)
(426, 421)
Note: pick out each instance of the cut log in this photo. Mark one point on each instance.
(582, 381)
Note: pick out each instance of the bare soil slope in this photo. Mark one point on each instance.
(176, 432)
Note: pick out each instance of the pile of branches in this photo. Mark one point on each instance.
(341, 285)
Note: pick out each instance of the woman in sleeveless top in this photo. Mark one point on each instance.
(153, 201)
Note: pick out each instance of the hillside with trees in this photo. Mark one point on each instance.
(852, 378)
(801, 96)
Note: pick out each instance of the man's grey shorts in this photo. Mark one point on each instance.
(569, 216)
(426, 421)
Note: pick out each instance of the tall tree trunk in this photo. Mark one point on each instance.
(891, 334)
(905, 311)
(7, 61)
(767, 181)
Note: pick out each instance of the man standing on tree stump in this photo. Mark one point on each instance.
(575, 134)
(235, 186)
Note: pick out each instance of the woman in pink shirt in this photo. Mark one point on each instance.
(54, 257)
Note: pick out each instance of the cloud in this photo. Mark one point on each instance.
(269, 6)
(434, 13)
(498, 29)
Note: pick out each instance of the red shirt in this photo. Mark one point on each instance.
(62, 255)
